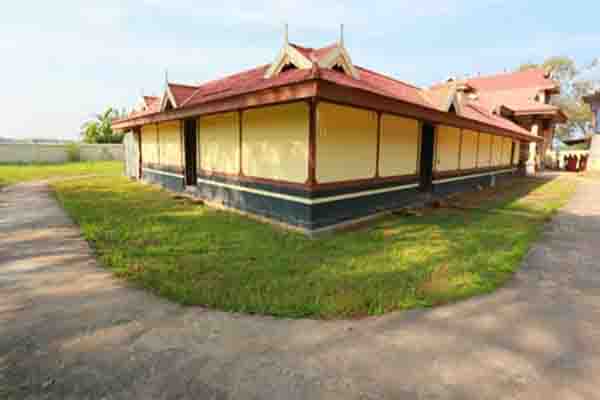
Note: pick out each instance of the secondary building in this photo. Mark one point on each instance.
(523, 97)
(594, 101)
(313, 140)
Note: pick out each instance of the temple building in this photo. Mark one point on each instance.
(522, 97)
(314, 141)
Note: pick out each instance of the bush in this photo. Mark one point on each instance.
(73, 152)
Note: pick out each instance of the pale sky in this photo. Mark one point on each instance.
(62, 61)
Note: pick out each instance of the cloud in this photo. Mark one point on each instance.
(69, 59)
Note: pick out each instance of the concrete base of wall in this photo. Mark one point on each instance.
(318, 218)
(167, 180)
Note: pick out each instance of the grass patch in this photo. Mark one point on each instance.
(196, 255)
(15, 173)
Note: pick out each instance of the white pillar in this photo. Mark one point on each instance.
(594, 160)
(530, 164)
(535, 130)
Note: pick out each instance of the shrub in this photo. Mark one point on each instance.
(73, 152)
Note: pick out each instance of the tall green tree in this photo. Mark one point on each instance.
(99, 129)
(565, 71)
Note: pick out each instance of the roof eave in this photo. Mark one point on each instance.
(316, 87)
(287, 92)
(409, 109)
(556, 115)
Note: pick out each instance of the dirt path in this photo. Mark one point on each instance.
(68, 330)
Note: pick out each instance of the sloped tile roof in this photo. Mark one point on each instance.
(532, 78)
(253, 80)
(152, 102)
(480, 113)
(379, 84)
(245, 82)
(181, 92)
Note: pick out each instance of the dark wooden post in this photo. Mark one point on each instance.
(312, 142)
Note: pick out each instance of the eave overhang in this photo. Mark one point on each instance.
(274, 95)
(555, 115)
(319, 89)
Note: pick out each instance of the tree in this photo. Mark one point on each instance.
(570, 100)
(99, 129)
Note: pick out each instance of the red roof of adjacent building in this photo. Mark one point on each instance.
(536, 78)
(151, 101)
(520, 92)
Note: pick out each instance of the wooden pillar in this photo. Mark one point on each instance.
(312, 142)
(378, 150)
(460, 145)
(241, 138)
(138, 133)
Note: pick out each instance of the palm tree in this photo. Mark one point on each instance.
(99, 129)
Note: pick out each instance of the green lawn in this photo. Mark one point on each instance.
(15, 173)
(196, 255)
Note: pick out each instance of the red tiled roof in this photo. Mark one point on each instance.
(244, 82)
(181, 92)
(151, 106)
(530, 106)
(483, 114)
(531, 78)
(379, 84)
(254, 80)
(151, 102)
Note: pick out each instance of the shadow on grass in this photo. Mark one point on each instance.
(195, 255)
(68, 331)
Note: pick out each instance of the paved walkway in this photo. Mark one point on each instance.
(68, 330)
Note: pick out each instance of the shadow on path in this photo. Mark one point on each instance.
(69, 330)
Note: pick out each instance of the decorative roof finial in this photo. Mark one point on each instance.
(166, 78)
(341, 34)
(314, 70)
(285, 35)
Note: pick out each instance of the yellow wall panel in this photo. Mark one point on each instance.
(149, 144)
(275, 142)
(399, 146)
(448, 145)
(497, 150)
(468, 152)
(485, 150)
(346, 143)
(506, 151)
(169, 136)
(517, 152)
(219, 143)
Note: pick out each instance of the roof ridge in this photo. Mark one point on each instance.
(232, 75)
(215, 81)
(183, 85)
(388, 77)
(300, 46)
(500, 74)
